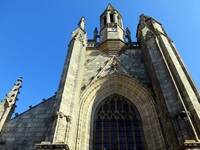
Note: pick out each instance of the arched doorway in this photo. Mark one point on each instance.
(117, 125)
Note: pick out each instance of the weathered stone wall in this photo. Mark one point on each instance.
(64, 126)
(2, 108)
(161, 83)
(131, 60)
(28, 128)
(185, 88)
(173, 89)
(95, 60)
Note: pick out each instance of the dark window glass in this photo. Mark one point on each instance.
(106, 107)
(111, 18)
(104, 20)
(126, 106)
(98, 146)
(116, 125)
(112, 106)
(119, 105)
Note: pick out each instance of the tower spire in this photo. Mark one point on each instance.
(111, 29)
(82, 23)
(110, 7)
(7, 106)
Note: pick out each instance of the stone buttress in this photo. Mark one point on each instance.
(176, 96)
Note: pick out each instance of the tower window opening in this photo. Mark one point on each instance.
(111, 18)
(104, 20)
(116, 125)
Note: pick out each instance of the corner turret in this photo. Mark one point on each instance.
(82, 23)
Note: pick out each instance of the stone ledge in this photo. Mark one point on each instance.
(190, 145)
(48, 145)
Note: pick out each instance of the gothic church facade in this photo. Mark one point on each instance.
(114, 94)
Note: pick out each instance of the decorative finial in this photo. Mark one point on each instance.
(128, 34)
(20, 79)
(142, 21)
(12, 96)
(95, 34)
(9, 103)
(82, 23)
(95, 31)
(110, 7)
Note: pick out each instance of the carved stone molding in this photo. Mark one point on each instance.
(149, 35)
(48, 145)
(190, 145)
(62, 115)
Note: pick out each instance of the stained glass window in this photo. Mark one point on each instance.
(117, 125)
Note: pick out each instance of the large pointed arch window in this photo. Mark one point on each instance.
(117, 125)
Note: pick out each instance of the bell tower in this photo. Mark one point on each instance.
(112, 37)
(111, 24)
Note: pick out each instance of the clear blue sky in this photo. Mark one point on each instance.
(34, 37)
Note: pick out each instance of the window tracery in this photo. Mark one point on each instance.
(116, 125)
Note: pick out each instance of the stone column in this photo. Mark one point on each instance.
(108, 16)
(115, 17)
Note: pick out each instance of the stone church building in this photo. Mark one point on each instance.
(114, 94)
